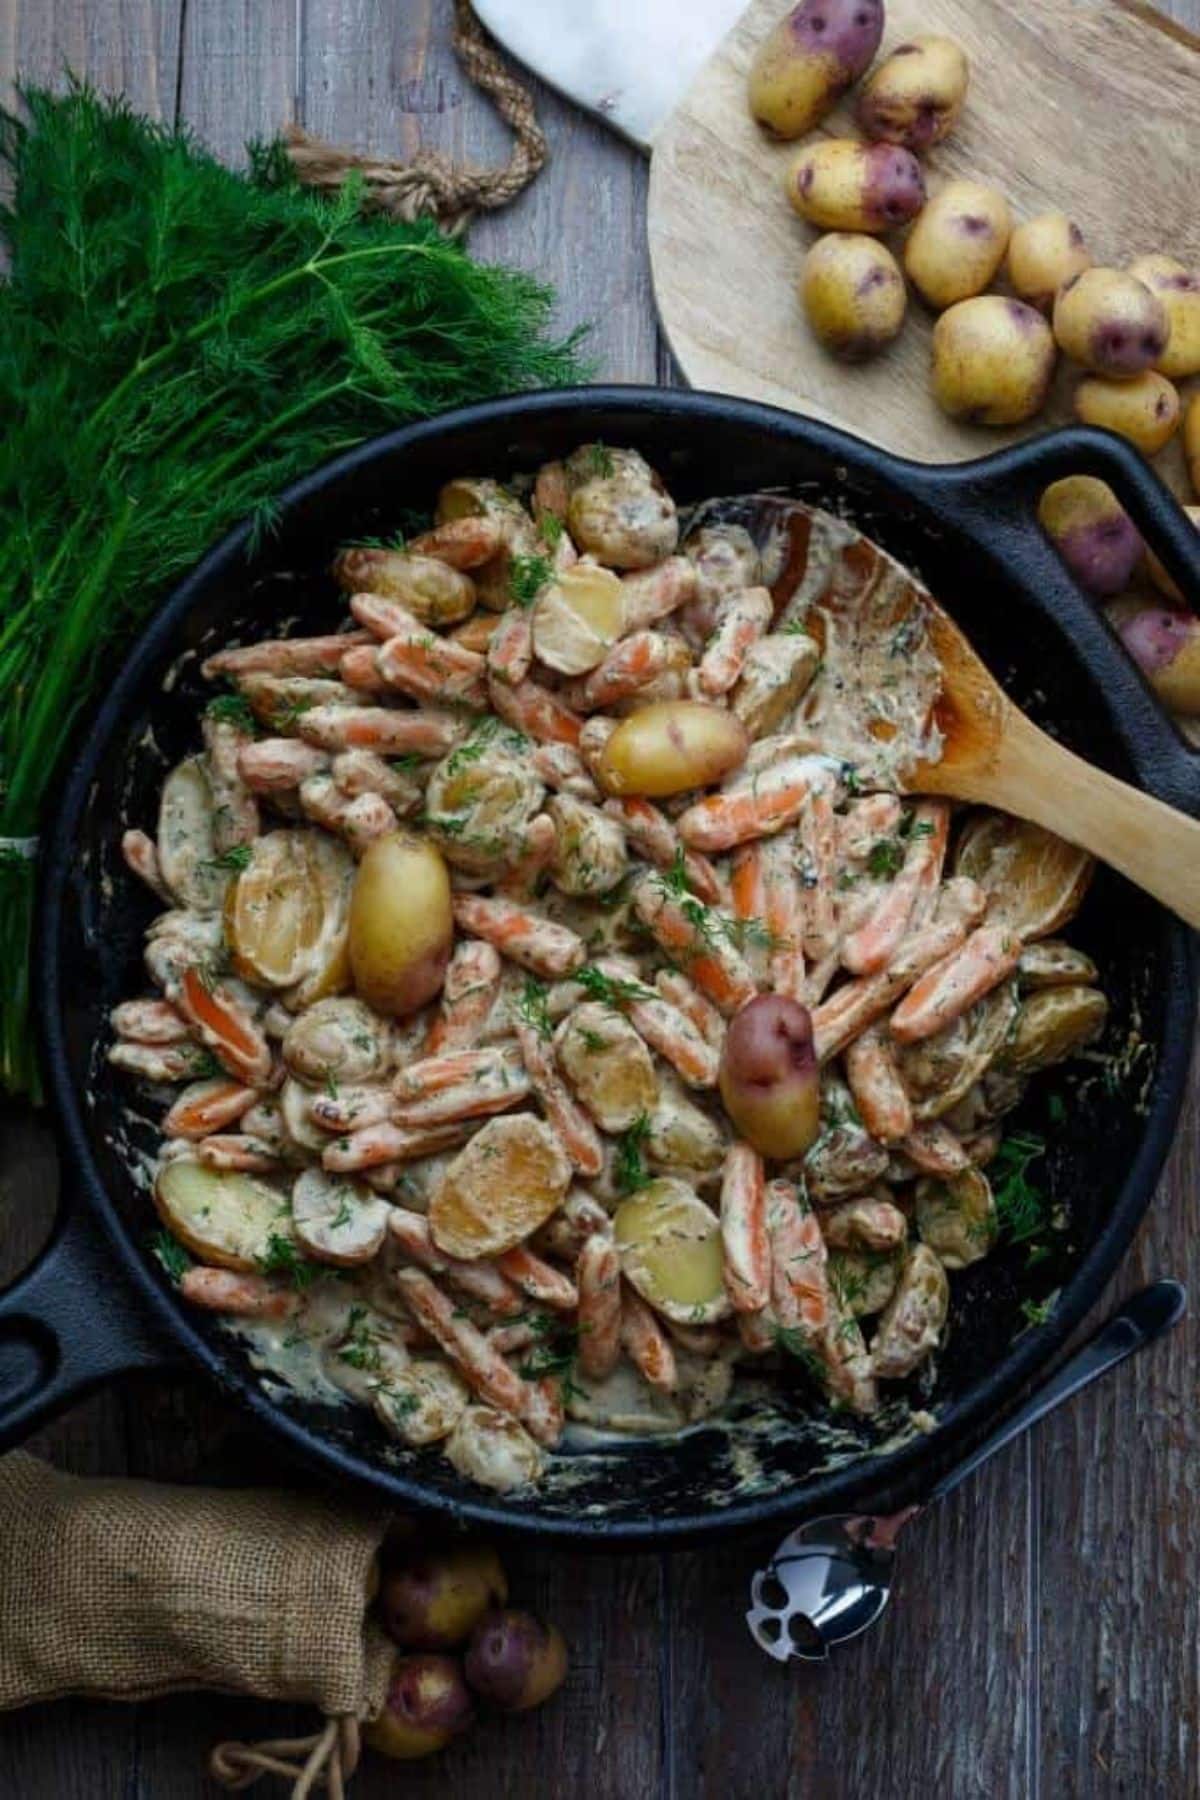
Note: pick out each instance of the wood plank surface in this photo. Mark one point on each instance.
(1043, 1641)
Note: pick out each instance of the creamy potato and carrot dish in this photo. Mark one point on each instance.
(568, 1005)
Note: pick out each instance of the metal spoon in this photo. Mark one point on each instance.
(831, 1577)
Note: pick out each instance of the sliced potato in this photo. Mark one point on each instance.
(912, 1324)
(1052, 963)
(294, 1102)
(671, 1252)
(423, 1402)
(681, 1137)
(1034, 881)
(336, 1220)
(332, 867)
(186, 847)
(1053, 1025)
(338, 1039)
(501, 1186)
(941, 1069)
(863, 1281)
(607, 1064)
(493, 1449)
(957, 1218)
(277, 910)
(577, 618)
(226, 1219)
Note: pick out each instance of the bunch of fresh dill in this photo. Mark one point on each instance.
(177, 343)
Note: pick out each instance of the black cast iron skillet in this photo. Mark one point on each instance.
(97, 1304)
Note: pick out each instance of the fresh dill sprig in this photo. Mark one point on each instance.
(600, 460)
(533, 1008)
(885, 858)
(527, 576)
(608, 989)
(281, 1257)
(171, 1254)
(180, 342)
(233, 860)
(550, 530)
(1022, 1209)
(629, 1168)
(234, 709)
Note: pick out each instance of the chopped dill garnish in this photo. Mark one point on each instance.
(234, 709)
(406, 764)
(205, 1066)
(550, 530)
(235, 859)
(608, 989)
(1036, 1312)
(171, 1254)
(490, 733)
(533, 1008)
(796, 1344)
(600, 460)
(795, 628)
(885, 858)
(554, 1353)
(1022, 1210)
(285, 716)
(282, 1258)
(527, 576)
(360, 1347)
(629, 1169)
(674, 878)
(593, 1040)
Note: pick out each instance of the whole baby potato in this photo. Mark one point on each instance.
(806, 64)
(1166, 647)
(854, 294)
(1179, 290)
(434, 1599)
(427, 1704)
(1043, 253)
(769, 1079)
(1158, 573)
(842, 185)
(515, 1661)
(401, 924)
(671, 746)
(915, 95)
(957, 243)
(1144, 409)
(1110, 322)
(993, 361)
(1191, 442)
(1092, 532)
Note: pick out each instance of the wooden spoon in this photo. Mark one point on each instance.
(993, 754)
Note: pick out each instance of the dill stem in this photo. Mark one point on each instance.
(196, 333)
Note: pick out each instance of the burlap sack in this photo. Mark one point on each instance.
(126, 1589)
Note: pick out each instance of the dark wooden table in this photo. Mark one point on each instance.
(1045, 1637)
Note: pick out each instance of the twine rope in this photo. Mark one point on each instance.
(431, 183)
(327, 1759)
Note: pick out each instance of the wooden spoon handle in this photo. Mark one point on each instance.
(1155, 846)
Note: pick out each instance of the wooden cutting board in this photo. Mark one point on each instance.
(1092, 106)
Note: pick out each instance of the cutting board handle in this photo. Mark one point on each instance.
(996, 499)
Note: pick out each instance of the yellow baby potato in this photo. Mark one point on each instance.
(1043, 254)
(916, 94)
(670, 747)
(957, 243)
(993, 361)
(853, 294)
(1108, 321)
(1144, 409)
(401, 924)
(807, 62)
(1179, 290)
(842, 185)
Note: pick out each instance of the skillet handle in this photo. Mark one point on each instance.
(68, 1324)
(996, 498)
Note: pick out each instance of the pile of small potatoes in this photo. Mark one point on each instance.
(458, 1642)
(1133, 332)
